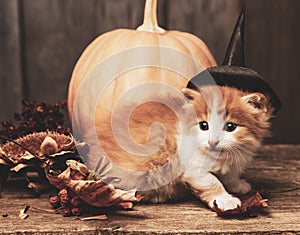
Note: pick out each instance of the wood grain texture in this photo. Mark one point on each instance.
(273, 49)
(41, 42)
(55, 41)
(56, 33)
(212, 21)
(276, 171)
(111, 15)
(10, 58)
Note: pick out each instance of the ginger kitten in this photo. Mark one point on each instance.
(199, 142)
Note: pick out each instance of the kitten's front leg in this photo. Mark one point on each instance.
(209, 189)
(234, 183)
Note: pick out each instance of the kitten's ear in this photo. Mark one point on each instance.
(257, 102)
(189, 93)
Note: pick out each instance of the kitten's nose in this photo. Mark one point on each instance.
(213, 143)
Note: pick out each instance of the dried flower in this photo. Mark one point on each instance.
(66, 212)
(64, 197)
(55, 202)
(76, 211)
(75, 201)
(36, 116)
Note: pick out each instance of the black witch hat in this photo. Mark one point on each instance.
(233, 73)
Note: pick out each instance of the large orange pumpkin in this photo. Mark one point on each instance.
(115, 64)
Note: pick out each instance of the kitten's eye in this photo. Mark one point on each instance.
(203, 126)
(230, 127)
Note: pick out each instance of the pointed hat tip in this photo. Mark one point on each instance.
(235, 51)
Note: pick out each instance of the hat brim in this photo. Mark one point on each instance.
(238, 77)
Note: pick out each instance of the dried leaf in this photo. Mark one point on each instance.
(252, 204)
(79, 167)
(126, 205)
(3, 162)
(96, 193)
(27, 156)
(38, 187)
(20, 167)
(62, 153)
(99, 217)
(2, 152)
(22, 214)
(4, 159)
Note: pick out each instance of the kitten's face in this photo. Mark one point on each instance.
(229, 119)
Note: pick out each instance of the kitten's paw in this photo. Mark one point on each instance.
(241, 186)
(157, 199)
(225, 202)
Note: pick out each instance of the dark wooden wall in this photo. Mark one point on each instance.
(40, 41)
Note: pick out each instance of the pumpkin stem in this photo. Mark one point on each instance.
(150, 18)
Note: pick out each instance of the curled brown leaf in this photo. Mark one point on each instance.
(97, 193)
(252, 204)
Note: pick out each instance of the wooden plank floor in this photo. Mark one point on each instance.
(276, 171)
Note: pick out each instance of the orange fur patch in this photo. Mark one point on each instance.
(253, 127)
